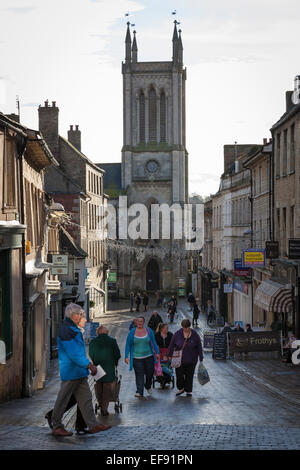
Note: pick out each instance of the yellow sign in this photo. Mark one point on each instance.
(253, 258)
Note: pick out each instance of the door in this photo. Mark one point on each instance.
(152, 276)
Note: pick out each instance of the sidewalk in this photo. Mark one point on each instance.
(271, 373)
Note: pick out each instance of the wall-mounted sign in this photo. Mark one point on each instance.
(272, 250)
(255, 341)
(227, 288)
(60, 264)
(254, 257)
(112, 277)
(294, 248)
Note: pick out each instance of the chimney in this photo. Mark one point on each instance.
(288, 100)
(13, 117)
(74, 137)
(48, 126)
(265, 141)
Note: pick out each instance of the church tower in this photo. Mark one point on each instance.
(154, 155)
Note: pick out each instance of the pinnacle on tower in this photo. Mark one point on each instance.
(175, 42)
(134, 48)
(128, 44)
(180, 48)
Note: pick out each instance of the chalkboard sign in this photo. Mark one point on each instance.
(208, 340)
(219, 348)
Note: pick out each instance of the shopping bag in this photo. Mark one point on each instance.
(203, 376)
(158, 370)
(100, 373)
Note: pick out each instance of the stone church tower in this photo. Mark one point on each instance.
(154, 157)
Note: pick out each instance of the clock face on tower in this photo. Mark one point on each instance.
(152, 166)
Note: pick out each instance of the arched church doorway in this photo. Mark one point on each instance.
(152, 275)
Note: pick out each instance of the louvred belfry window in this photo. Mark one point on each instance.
(142, 117)
(163, 117)
(152, 115)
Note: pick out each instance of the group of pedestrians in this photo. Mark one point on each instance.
(137, 299)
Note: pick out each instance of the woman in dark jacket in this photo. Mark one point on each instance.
(163, 339)
(145, 301)
(189, 342)
(105, 351)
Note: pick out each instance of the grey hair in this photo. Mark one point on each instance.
(72, 308)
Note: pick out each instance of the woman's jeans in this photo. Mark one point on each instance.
(143, 368)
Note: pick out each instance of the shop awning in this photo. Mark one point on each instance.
(274, 297)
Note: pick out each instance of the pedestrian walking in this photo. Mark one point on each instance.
(171, 311)
(196, 312)
(188, 341)
(239, 328)
(133, 324)
(211, 312)
(104, 351)
(131, 301)
(74, 368)
(191, 300)
(163, 339)
(138, 301)
(248, 328)
(141, 353)
(145, 301)
(80, 425)
(174, 300)
(154, 320)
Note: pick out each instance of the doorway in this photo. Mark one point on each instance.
(152, 276)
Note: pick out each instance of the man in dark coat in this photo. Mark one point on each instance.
(105, 351)
(138, 301)
(155, 319)
(191, 300)
(145, 301)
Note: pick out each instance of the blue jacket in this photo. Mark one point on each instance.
(129, 345)
(73, 361)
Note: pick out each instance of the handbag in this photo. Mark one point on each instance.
(203, 376)
(177, 356)
(158, 370)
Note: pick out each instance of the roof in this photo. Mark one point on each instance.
(68, 244)
(81, 155)
(294, 109)
(112, 175)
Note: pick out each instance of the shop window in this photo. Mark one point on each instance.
(5, 302)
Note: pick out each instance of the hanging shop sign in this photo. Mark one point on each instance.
(272, 250)
(255, 341)
(181, 287)
(60, 264)
(239, 270)
(254, 258)
(112, 277)
(294, 248)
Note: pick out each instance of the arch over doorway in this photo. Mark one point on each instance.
(152, 275)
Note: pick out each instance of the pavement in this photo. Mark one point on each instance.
(248, 404)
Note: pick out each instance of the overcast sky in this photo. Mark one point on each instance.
(241, 57)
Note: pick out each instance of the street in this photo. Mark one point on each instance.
(230, 412)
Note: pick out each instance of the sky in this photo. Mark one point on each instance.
(241, 56)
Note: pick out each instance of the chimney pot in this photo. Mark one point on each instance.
(265, 141)
(53, 104)
(77, 126)
(71, 127)
(46, 103)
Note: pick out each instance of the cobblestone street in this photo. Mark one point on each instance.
(230, 412)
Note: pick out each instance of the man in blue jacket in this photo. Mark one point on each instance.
(74, 369)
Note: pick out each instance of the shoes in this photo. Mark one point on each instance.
(99, 428)
(188, 394)
(104, 413)
(179, 393)
(81, 431)
(48, 417)
(149, 391)
(61, 432)
(138, 395)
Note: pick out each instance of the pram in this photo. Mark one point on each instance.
(167, 377)
(115, 388)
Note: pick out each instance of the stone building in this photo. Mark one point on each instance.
(154, 167)
(78, 185)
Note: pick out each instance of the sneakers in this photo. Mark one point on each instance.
(188, 394)
(149, 391)
(61, 432)
(138, 395)
(180, 392)
(99, 428)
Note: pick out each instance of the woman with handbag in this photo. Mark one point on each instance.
(144, 353)
(184, 349)
(104, 351)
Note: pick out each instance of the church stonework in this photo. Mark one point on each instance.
(154, 157)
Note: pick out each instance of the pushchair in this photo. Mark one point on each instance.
(115, 389)
(167, 377)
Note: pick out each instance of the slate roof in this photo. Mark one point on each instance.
(68, 244)
(112, 175)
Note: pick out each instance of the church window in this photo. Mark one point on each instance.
(163, 117)
(152, 115)
(142, 117)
